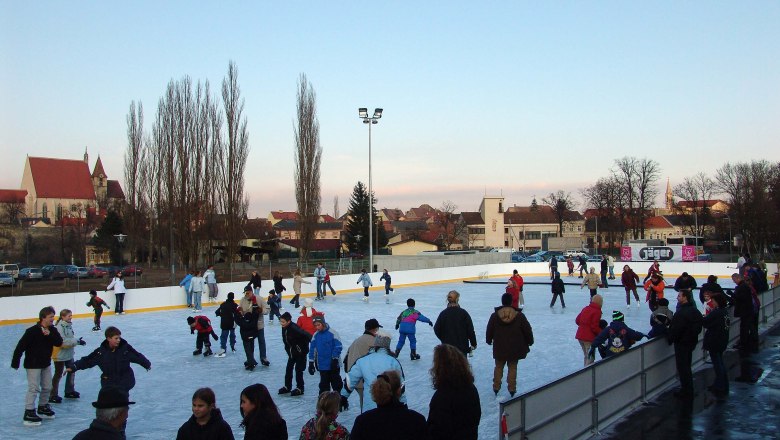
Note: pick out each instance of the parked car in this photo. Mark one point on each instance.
(6, 279)
(77, 272)
(31, 273)
(594, 258)
(517, 257)
(574, 252)
(132, 270)
(533, 259)
(11, 268)
(97, 272)
(55, 272)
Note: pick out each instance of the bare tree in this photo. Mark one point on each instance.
(134, 157)
(13, 211)
(648, 173)
(450, 226)
(336, 213)
(696, 190)
(637, 180)
(307, 165)
(562, 205)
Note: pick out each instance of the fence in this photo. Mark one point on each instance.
(578, 405)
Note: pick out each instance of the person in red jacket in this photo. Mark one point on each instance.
(202, 325)
(306, 320)
(518, 301)
(629, 278)
(588, 326)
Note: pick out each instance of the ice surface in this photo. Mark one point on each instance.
(163, 395)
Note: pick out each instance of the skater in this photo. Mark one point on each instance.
(97, 305)
(514, 291)
(454, 325)
(553, 266)
(197, 284)
(306, 318)
(255, 281)
(570, 265)
(359, 348)
(324, 425)
(319, 275)
(583, 264)
(685, 282)
(36, 344)
(278, 286)
(326, 283)
(118, 286)
(202, 325)
(660, 319)
(325, 350)
(261, 418)
(366, 280)
(227, 324)
(185, 284)
(63, 357)
(713, 287)
(655, 268)
(247, 322)
(611, 266)
(604, 269)
(588, 326)
(629, 278)
(296, 344)
(111, 411)
(369, 367)
(617, 336)
(454, 410)
(407, 323)
(558, 289)
(113, 357)
(593, 281)
(512, 334)
(246, 305)
(206, 421)
(274, 304)
(211, 282)
(519, 303)
(388, 280)
(655, 290)
(297, 281)
(391, 419)
(684, 334)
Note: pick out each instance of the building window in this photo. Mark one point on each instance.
(579, 228)
(533, 235)
(59, 212)
(506, 243)
(45, 211)
(506, 230)
(476, 231)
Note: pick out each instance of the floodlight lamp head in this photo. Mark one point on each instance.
(374, 121)
(363, 112)
(377, 113)
(365, 121)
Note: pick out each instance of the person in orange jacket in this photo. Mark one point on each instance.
(655, 290)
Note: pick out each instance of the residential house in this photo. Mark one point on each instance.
(412, 247)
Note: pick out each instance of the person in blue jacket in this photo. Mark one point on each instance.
(325, 350)
(368, 367)
(618, 336)
(407, 324)
(113, 357)
(388, 281)
(185, 283)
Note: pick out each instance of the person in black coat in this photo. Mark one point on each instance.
(37, 344)
(391, 419)
(255, 281)
(227, 323)
(455, 410)
(206, 422)
(248, 324)
(261, 418)
(454, 325)
(716, 337)
(748, 320)
(558, 289)
(296, 344)
(684, 334)
(713, 287)
(685, 282)
(604, 270)
(113, 357)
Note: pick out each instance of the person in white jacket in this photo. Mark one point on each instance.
(197, 284)
(118, 286)
(366, 280)
(369, 367)
(63, 358)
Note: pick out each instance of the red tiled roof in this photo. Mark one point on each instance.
(327, 218)
(61, 178)
(325, 244)
(657, 222)
(690, 204)
(114, 190)
(12, 195)
(472, 218)
(99, 171)
(285, 215)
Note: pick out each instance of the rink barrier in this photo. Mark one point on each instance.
(24, 309)
(578, 405)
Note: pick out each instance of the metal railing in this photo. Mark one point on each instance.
(576, 406)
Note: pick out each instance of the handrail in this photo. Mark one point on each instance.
(549, 411)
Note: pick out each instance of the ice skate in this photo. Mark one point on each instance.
(45, 412)
(365, 299)
(208, 352)
(387, 299)
(31, 418)
(284, 390)
(95, 329)
(414, 356)
(221, 354)
(197, 352)
(296, 392)
(264, 362)
(55, 399)
(72, 395)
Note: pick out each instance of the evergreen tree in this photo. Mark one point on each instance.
(104, 236)
(357, 225)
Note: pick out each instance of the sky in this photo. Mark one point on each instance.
(511, 98)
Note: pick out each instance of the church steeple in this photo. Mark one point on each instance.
(86, 156)
(669, 197)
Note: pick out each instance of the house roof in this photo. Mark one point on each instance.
(321, 226)
(411, 240)
(543, 214)
(114, 190)
(707, 203)
(658, 222)
(285, 215)
(392, 214)
(316, 245)
(410, 225)
(423, 212)
(327, 218)
(61, 178)
(12, 195)
(472, 218)
(99, 171)
(256, 227)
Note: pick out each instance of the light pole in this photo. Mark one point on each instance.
(363, 114)
(731, 242)
(121, 239)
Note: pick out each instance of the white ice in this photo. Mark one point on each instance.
(163, 394)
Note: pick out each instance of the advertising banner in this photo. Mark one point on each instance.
(643, 252)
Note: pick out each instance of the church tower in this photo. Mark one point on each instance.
(100, 182)
(669, 197)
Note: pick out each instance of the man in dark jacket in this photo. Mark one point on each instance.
(227, 322)
(684, 334)
(685, 282)
(604, 269)
(716, 337)
(454, 325)
(36, 344)
(113, 357)
(512, 334)
(744, 310)
(296, 344)
(112, 408)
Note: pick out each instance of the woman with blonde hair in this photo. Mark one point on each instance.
(391, 419)
(297, 281)
(454, 409)
(323, 426)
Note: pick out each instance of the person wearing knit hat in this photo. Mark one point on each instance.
(296, 344)
(617, 337)
(367, 368)
(406, 323)
(324, 355)
(202, 325)
(306, 319)
(359, 348)
(246, 306)
(227, 324)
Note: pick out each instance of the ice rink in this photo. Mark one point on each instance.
(163, 394)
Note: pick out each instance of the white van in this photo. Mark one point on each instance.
(573, 253)
(12, 269)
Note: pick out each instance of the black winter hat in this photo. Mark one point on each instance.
(506, 299)
(231, 295)
(190, 320)
(112, 397)
(410, 302)
(372, 324)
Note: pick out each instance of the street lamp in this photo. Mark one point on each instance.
(363, 114)
(121, 239)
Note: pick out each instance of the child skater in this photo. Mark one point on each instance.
(206, 421)
(366, 280)
(306, 320)
(249, 332)
(202, 325)
(227, 324)
(407, 322)
(97, 304)
(278, 286)
(297, 281)
(386, 276)
(63, 357)
(557, 289)
(274, 304)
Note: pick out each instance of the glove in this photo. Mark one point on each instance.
(489, 342)
(344, 404)
(81, 341)
(311, 368)
(334, 364)
(109, 308)
(396, 326)
(430, 323)
(214, 335)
